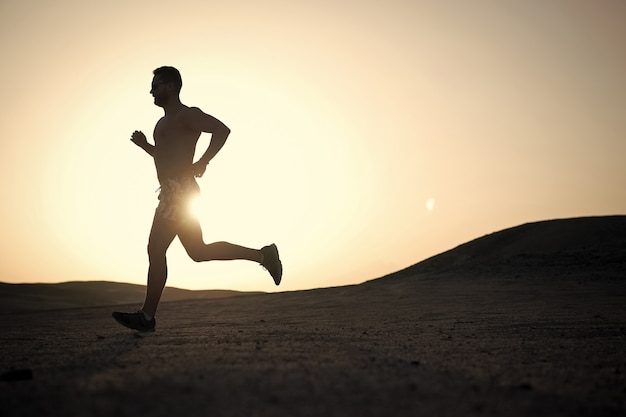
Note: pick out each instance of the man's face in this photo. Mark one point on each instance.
(160, 91)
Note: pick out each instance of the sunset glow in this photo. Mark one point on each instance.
(346, 117)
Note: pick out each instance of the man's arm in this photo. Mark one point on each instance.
(139, 139)
(197, 120)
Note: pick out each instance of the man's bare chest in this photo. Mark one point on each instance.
(168, 130)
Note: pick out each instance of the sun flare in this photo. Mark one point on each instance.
(194, 206)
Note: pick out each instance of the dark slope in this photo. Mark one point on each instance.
(586, 245)
(31, 297)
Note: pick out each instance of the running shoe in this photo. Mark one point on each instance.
(135, 321)
(271, 262)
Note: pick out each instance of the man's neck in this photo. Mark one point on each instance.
(173, 106)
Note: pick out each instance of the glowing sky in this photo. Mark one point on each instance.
(366, 136)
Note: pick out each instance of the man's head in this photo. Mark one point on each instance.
(166, 84)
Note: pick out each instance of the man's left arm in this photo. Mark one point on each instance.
(197, 120)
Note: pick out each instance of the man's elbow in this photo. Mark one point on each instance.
(223, 131)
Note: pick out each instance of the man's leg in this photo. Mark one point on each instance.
(162, 234)
(190, 235)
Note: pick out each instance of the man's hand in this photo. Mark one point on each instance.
(198, 169)
(139, 139)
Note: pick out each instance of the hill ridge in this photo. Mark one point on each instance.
(594, 243)
(583, 246)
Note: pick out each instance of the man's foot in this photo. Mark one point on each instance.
(271, 262)
(135, 321)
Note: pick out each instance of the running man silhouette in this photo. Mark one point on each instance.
(175, 138)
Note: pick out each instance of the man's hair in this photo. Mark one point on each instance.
(169, 74)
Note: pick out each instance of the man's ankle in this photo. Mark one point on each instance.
(146, 316)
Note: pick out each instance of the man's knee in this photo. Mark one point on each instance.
(196, 253)
(210, 252)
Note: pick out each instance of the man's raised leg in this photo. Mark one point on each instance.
(191, 237)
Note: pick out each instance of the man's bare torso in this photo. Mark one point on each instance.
(175, 145)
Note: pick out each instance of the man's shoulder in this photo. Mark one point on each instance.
(196, 120)
(192, 109)
(189, 112)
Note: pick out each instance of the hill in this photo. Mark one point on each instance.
(33, 297)
(589, 246)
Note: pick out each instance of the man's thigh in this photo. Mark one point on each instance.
(190, 233)
(162, 234)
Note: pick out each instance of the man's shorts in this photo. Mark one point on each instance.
(175, 199)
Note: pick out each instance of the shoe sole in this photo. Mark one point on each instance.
(280, 278)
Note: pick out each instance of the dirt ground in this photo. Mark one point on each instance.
(432, 346)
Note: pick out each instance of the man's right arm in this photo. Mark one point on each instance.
(139, 139)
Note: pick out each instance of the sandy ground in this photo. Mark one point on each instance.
(433, 346)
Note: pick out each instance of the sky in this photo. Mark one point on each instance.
(366, 136)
